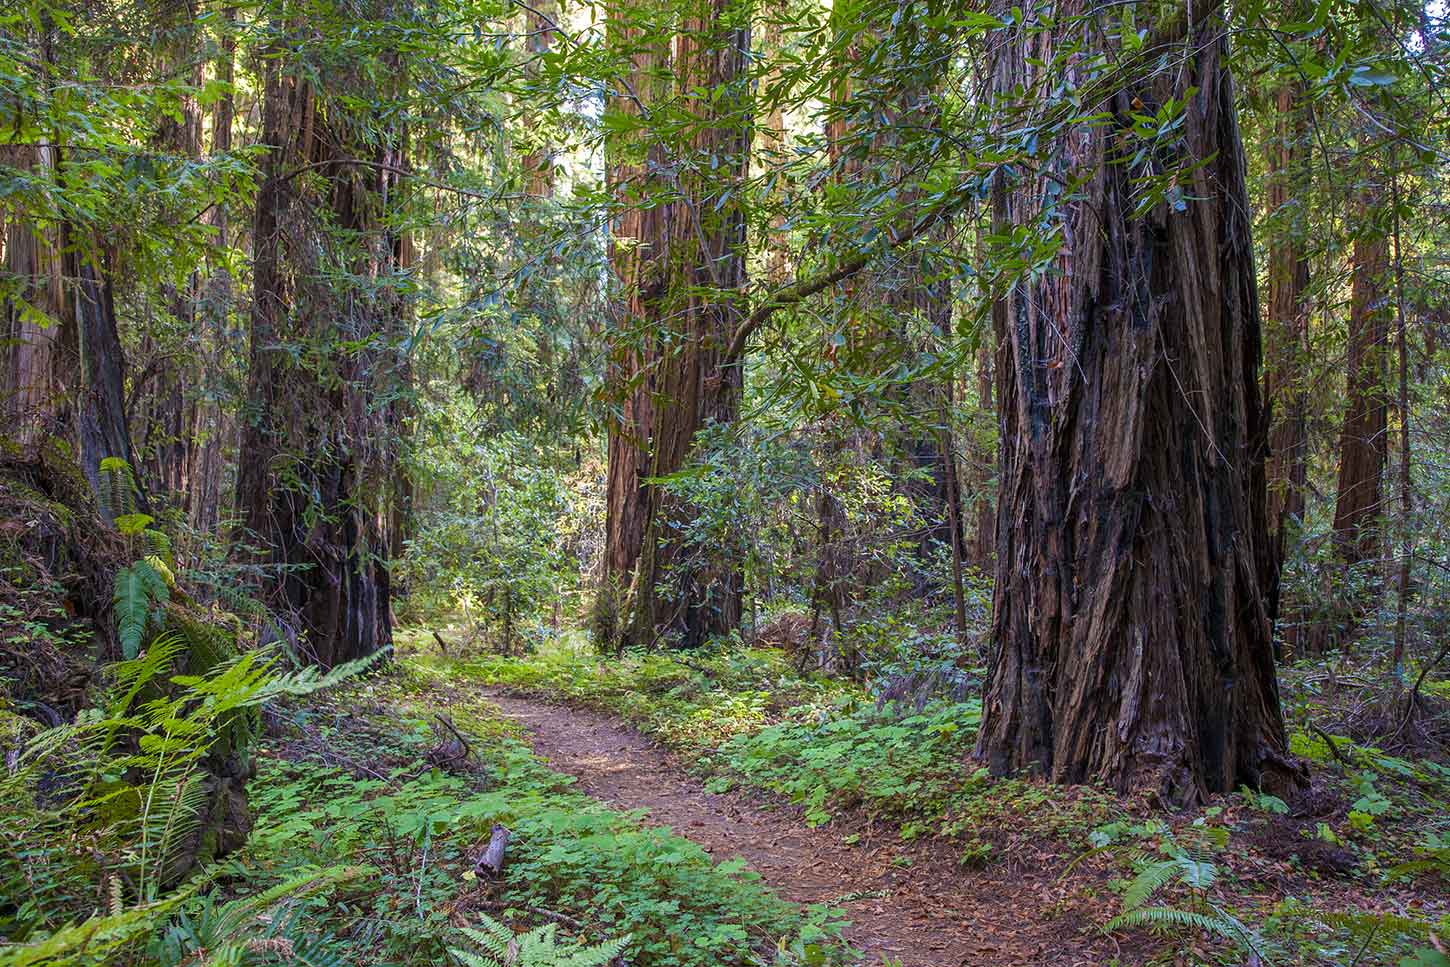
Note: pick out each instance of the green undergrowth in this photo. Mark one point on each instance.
(1371, 831)
(745, 717)
(348, 780)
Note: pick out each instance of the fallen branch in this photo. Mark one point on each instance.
(1329, 741)
(559, 918)
(1413, 699)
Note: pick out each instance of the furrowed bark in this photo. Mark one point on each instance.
(1133, 643)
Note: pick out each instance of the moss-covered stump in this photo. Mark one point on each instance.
(59, 559)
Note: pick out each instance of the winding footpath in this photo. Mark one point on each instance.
(916, 906)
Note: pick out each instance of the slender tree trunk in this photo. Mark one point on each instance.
(1134, 647)
(214, 428)
(1407, 539)
(101, 411)
(1286, 326)
(540, 22)
(1363, 440)
(985, 543)
(773, 143)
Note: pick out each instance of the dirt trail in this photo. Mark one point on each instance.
(933, 913)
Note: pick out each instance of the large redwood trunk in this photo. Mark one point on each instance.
(637, 255)
(315, 484)
(1134, 647)
(680, 267)
(682, 593)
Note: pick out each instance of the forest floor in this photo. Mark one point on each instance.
(721, 809)
(918, 908)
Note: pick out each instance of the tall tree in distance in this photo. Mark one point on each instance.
(1133, 644)
(1286, 323)
(1363, 439)
(318, 444)
(681, 269)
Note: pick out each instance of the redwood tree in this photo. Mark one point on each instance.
(1363, 439)
(681, 269)
(1134, 646)
(315, 480)
(1286, 329)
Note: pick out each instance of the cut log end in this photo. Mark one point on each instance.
(490, 863)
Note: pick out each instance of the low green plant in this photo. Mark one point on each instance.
(1185, 860)
(420, 826)
(120, 798)
(896, 764)
(498, 946)
(256, 929)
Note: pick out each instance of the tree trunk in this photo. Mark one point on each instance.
(1134, 646)
(1363, 439)
(637, 255)
(36, 319)
(101, 411)
(680, 268)
(319, 448)
(984, 545)
(683, 592)
(540, 23)
(65, 371)
(1287, 324)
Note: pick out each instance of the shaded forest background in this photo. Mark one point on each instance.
(1089, 360)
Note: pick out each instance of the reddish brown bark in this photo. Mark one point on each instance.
(637, 255)
(1363, 439)
(35, 321)
(984, 543)
(772, 143)
(318, 449)
(1286, 324)
(680, 267)
(64, 371)
(683, 591)
(540, 23)
(1133, 643)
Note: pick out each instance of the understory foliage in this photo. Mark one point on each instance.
(501, 947)
(888, 406)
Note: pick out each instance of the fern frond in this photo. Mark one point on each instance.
(1360, 923)
(1149, 880)
(117, 487)
(136, 591)
(238, 913)
(538, 948)
(312, 679)
(1170, 917)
